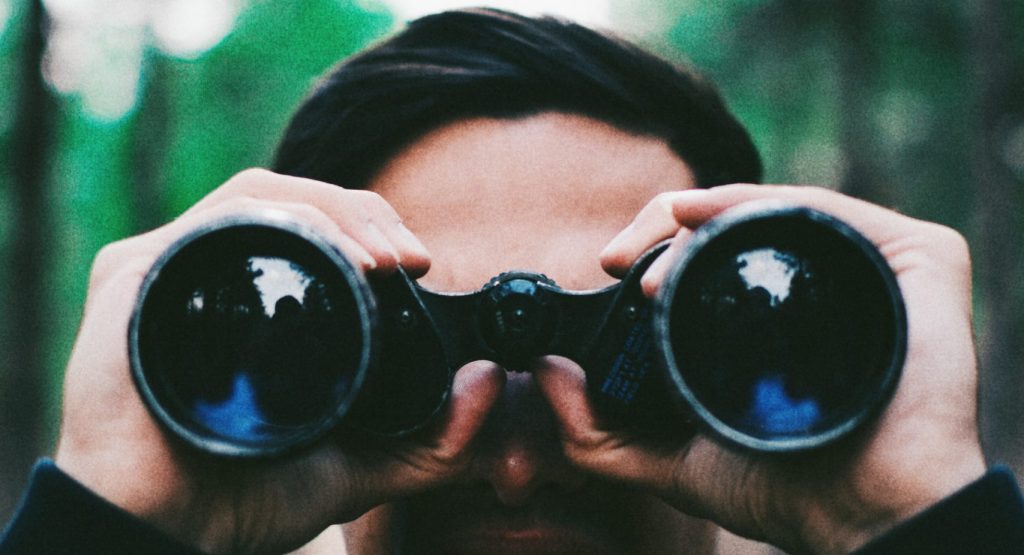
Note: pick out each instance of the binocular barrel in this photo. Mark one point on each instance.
(779, 328)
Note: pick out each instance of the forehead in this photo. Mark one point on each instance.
(541, 193)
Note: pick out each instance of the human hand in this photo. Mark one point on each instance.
(110, 442)
(922, 448)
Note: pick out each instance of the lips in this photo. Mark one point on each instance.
(503, 540)
(513, 536)
(466, 523)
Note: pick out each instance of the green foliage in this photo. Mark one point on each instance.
(776, 73)
(197, 123)
(10, 40)
(227, 109)
(779, 66)
(88, 187)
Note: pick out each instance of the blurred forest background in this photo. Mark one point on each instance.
(115, 116)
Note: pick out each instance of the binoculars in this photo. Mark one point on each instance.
(778, 328)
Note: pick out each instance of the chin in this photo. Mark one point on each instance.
(469, 522)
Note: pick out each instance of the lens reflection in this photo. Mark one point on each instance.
(250, 338)
(783, 328)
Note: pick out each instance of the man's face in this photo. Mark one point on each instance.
(545, 194)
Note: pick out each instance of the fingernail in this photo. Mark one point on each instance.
(368, 262)
(651, 281)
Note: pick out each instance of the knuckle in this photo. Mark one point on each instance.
(665, 202)
(934, 247)
(238, 203)
(107, 260)
(368, 198)
(307, 213)
(120, 260)
(819, 190)
(251, 175)
(952, 244)
(448, 456)
(813, 193)
(951, 238)
(376, 206)
(243, 202)
(575, 450)
(246, 203)
(244, 181)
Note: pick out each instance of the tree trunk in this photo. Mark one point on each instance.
(857, 69)
(149, 144)
(23, 379)
(997, 81)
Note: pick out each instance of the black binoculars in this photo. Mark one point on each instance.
(779, 328)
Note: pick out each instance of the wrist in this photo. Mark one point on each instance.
(150, 490)
(845, 523)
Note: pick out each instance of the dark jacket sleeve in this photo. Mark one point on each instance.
(60, 516)
(986, 517)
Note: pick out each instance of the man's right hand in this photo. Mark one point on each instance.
(110, 443)
(922, 448)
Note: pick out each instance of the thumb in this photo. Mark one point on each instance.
(591, 443)
(475, 389)
(398, 467)
(689, 473)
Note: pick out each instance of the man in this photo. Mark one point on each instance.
(473, 143)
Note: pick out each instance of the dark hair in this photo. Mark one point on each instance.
(492, 63)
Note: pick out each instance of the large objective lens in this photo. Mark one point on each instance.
(250, 339)
(783, 328)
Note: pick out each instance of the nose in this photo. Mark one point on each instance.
(519, 452)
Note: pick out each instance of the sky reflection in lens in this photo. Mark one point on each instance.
(770, 270)
(239, 416)
(276, 279)
(774, 411)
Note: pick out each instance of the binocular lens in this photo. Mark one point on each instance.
(253, 339)
(784, 332)
(779, 327)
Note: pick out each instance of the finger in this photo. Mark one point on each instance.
(475, 389)
(361, 471)
(144, 249)
(347, 213)
(678, 472)
(100, 354)
(300, 214)
(658, 270)
(442, 451)
(694, 208)
(588, 443)
(655, 222)
(564, 385)
(412, 254)
(363, 215)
